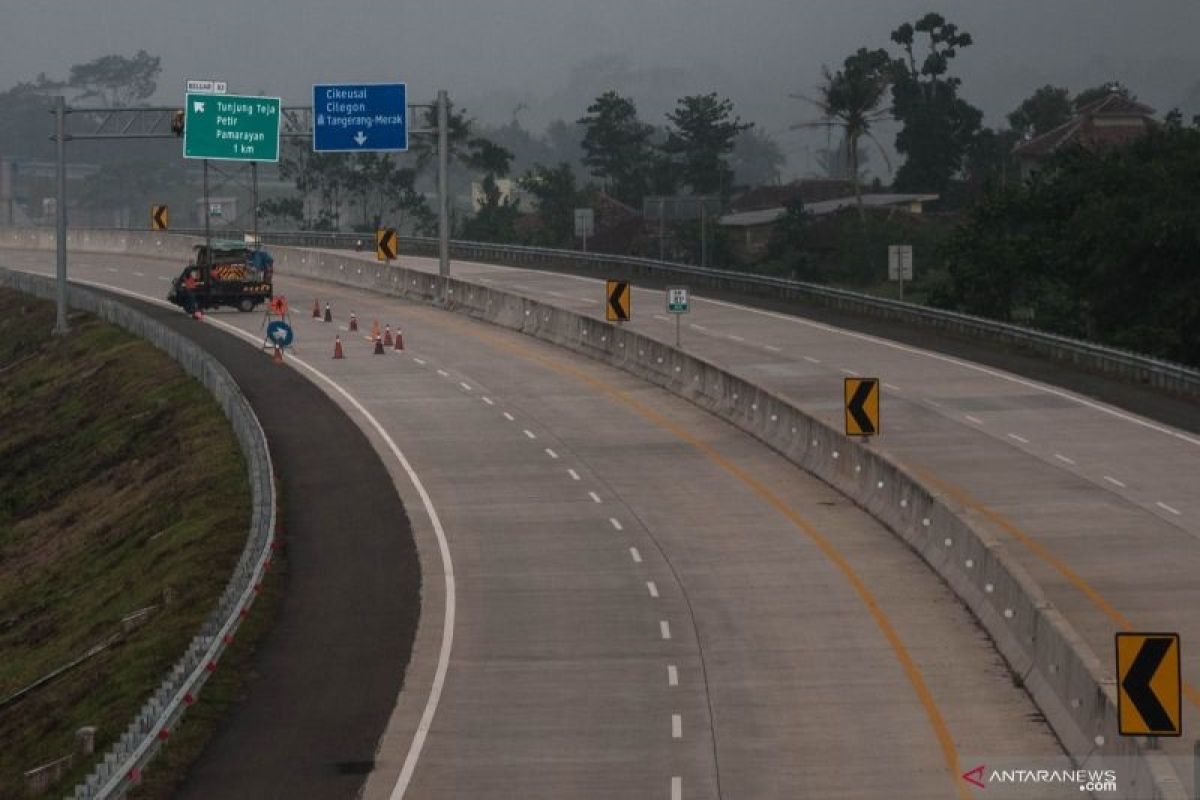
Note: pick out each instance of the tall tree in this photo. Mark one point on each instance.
(850, 100)
(557, 196)
(1042, 111)
(115, 80)
(616, 144)
(703, 131)
(756, 158)
(938, 125)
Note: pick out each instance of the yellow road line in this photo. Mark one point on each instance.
(913, 673)
(1045, 554)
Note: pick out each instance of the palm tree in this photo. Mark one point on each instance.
(851, 100)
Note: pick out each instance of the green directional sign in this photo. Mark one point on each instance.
(231, 127)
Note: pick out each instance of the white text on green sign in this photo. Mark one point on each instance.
(677, 300)
(231, 127)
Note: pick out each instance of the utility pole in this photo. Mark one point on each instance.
(443, 122)
(60, 212)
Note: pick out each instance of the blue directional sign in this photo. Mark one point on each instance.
(360, 118)
(280, 333)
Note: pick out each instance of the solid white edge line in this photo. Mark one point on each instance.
(443, 665)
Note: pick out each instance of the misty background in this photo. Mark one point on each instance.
(538, 61)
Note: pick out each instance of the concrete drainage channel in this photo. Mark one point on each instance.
(122, 764)
(1057, 667)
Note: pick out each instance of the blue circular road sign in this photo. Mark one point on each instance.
(280, 333)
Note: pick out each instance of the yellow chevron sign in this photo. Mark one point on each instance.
(1149, 699)
(159, 218)
(385, 244)
(619, 296)
(862, 406)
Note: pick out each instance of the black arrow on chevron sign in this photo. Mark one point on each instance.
(1137, 684)
(857, 407)
(614, 300)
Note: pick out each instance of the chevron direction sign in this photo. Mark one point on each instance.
(862, 406)
(617, 307)
(1149, 696)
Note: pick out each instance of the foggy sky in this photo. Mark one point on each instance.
(555, 56)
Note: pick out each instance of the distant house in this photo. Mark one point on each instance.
(1102, 125)
(752, 229)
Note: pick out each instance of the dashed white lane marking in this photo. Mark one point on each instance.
(672, 675)
(595, 497)
(812, 360)
(933, 403)
(661, 317)
(1166, 507)
(845, 371)
(1114, 481)
(465, 385)
(1064, 459)
(891, 386)
(652, 588)
(773, 348)
(976, 420)
(737, 338)
(443, 373)
(635, 555)
(529, 433)
(419, 361)
(676, 788)
(163, 278)
(697, 327)
(616, 523)
(551, 453)
(1020, 439)
(487, 400)
(140, 274)
(574, 475)
(664, 628)
(509, 417)
(111, 269)
(676, 726)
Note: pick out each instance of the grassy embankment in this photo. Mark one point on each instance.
(121, 488)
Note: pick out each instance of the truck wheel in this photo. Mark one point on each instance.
(245, 304)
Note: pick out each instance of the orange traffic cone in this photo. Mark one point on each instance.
(278, 357)
(387, 336)
(375, 329)
(353, 322)
(337, 347)
(328, 313)
(316, 309)
(379, 347)
(399, 339)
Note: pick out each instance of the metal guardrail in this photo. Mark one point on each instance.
(1126, 364)
(121, 766)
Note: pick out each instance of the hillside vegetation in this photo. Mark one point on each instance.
(122, 490)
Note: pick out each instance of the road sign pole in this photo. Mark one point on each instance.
(703, 237)
(60, 212)
(677, 331)
(254, 199)
(1196, 769)
(443, 122)
(207, 226)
